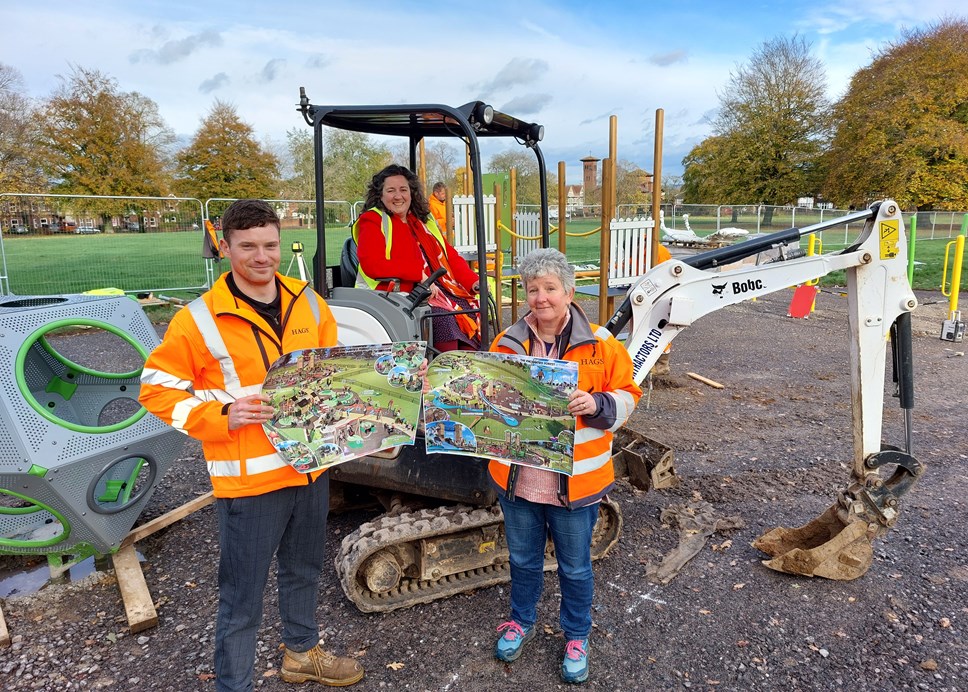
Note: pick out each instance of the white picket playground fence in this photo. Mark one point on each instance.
(629, 242)
(527, 225)
(465, 228)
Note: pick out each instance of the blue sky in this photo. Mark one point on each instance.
(568, 65)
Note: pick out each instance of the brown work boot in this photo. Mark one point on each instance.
(318, 665)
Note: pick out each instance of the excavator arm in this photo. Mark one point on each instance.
(674, 294)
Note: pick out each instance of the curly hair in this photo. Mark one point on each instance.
(547, 262)
(418, 200)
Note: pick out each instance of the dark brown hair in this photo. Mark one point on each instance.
(418, 200)
(248, 213)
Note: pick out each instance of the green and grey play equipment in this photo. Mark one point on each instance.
(79, 456)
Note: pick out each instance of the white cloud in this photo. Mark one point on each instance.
(565, 65)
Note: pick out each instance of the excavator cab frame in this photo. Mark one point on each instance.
(368, 316)
(422, 549)
(471, 122)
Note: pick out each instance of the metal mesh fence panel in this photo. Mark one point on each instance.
(73, 244)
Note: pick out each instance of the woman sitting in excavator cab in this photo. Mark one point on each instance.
(399, 245)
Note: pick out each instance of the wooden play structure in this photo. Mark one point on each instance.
(627, 245)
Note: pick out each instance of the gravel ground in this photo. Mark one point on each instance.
(771, 448)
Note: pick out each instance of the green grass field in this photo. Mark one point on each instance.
(172, 263)
(928, 254)
(133, 262)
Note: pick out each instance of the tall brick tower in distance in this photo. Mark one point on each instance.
(589, 177)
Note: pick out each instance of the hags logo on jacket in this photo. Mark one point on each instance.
(300, 330)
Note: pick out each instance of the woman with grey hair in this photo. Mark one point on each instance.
(538, 501)
(547, 262)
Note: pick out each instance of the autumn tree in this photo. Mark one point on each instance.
(769, 133)
(525, 164)
(441, 164)
(671, 187)
(902, 127)
(225, 160)
(301, 183)
(632, 185)
(98, 140)
(706, 177)
(19, 167)
(349, 161)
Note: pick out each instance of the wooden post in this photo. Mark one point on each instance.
(562, 206)
(656, 188)
(604, 241)
(4, 634)
(422, 167)
(449, 225)
(158, 523)
(612, 205)
(514, 227)
(138, 606)
(498, 259)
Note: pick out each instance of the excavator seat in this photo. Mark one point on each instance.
(348, 263)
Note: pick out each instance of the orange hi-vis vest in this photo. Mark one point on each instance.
(216, 350)
(603, 366)
(386, 225)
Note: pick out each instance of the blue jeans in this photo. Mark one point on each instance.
(289, 523)
(526, 525)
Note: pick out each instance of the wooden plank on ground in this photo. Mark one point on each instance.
(4, 634)
(158, 523)
(138, 605)
(705, 380)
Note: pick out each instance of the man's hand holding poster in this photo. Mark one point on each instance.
(336, 404)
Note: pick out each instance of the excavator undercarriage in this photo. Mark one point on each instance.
(400, 560)
(422, 549)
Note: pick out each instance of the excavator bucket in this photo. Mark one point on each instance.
(828, 547)
(646, 462)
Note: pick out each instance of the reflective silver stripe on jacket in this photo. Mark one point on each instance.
(216, 346)
(313, 304)
(624, 405)
(590, 464)
(254, 465)
(164, 379)
(583, 435)
(181, 410)
(603, 333)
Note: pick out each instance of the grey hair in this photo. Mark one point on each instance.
(547, 262)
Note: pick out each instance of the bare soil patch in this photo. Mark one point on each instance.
(771, 448)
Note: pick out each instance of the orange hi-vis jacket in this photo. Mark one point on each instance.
(604, 366)
(216, 350)
(438, 210)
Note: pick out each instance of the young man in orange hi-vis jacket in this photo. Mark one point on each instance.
(438, 206)
(205, 379)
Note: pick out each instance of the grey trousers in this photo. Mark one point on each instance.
(289, 523)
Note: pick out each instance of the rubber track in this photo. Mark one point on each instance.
(385, 531)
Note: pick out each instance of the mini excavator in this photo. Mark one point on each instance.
(442, 530)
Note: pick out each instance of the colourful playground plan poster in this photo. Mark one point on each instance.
(502, 406)
(337, 404)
